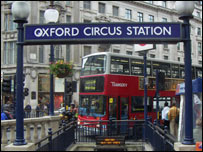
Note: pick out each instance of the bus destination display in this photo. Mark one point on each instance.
(94, 84)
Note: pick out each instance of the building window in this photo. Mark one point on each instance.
(200, 62)
(199, 48)
(152, 56)
(164, 4)
(165, 46)
(178, 58)
(68, 3)
(178, 46)
(198, 14)
(150, 2)
(199, 31)
(44, 83)
(9, 24)
(128, 14)
(151, 18)
(140, 17)
(102, 8)
(165, 57)
(115, 11)
(116, 51)
(87, 21)
(87, 50)
(67, 53)
(140, 54)
(129, 52)
(10, 53)
(58, 52)
(41, 17)
(164, 19)
(41, 54)
(87, 5)
(68, 19)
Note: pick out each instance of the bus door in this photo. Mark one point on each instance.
(118, 110)
(123, 113)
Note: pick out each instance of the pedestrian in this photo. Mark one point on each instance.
(28, 110)
(172, 114)
(46, 107)
(74, 110)
(3, 116)
(38, 110)
(164, 115)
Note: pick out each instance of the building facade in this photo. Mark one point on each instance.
(36, 58)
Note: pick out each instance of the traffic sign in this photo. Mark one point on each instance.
(117, 33)
(143, 47)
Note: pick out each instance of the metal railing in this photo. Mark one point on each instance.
(160, 139)
(87, 131)
(59, 140)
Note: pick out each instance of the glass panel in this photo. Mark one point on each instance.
(120, 65)
(137, 67)
(115, 10)
(94, 65)
(175, 71)
(101, 8)
(92, 84)
(44, 83)
(92, 106)
(112, 107)
(87, 5)
(140, 17)
(182, 72)
(124, 108)
(128, 14)
(137, 104)
(162, 67)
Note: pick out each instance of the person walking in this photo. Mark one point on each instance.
(164, 115)
(172, 114)
(28, 110)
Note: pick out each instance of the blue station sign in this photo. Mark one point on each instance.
(96, 33)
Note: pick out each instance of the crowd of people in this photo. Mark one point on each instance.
(8, 110)
(42, 109)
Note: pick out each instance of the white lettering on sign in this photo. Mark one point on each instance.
(114, 84)
(102, 31)
(148, 30)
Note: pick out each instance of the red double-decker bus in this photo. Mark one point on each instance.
(111, 86)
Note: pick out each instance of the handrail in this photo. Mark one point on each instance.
(47, 137)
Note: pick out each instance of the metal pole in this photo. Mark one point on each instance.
(51, 113)
(2, 77)
(145, 91)
(19, 93)
(188, 140)
(157, 96)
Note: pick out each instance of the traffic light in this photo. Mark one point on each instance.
(6, 85)
(161, 82)
(68, 89)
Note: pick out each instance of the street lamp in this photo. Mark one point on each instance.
(51, 16)
(20, 11)
(185, 9)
